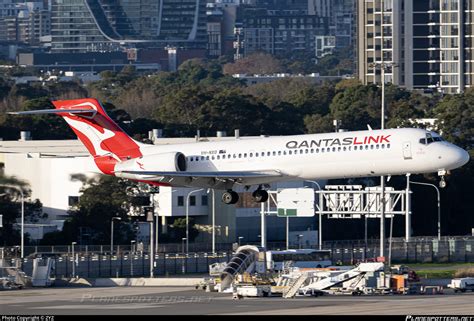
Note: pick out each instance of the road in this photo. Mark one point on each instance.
(179, 300)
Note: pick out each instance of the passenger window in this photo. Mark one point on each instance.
(279, 153)
(240, 155)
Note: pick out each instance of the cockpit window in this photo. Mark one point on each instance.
(430, 139)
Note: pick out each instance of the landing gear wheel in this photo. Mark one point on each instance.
(230, 197)
(260, 196)
(442, 182)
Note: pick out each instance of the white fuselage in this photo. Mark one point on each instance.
(320, 156)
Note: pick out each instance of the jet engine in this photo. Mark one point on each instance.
(164, 162)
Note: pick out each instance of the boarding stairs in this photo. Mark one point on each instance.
(42, 271)
(243, 261)
(294, 287)
(331, 281)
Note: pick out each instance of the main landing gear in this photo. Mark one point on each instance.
(260, 196)
(230, 197)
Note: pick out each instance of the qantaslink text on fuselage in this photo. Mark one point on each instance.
(330, 142)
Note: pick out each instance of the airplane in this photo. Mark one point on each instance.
(255, 161)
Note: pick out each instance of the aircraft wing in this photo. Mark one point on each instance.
(225, 175)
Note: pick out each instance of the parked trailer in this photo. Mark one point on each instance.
(462, 284)
(251, 291)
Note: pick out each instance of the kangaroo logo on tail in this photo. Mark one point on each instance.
(103, 138)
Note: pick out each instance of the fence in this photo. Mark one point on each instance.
(125, 265)
(97, 261)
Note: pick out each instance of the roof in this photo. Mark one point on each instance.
(76, 148)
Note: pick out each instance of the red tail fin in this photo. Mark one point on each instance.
(103, 138)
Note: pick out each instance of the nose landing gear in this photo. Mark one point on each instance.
(442, 182)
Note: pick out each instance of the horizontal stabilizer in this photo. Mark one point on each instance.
(86, 112)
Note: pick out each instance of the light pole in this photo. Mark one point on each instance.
(299, 240)
(73, 260)
(112, 233)
(182, 244)
(187, 217)
(213, 219)
(22, 242)
(383, 67)
(240, 238)
(439, 204)
(320, 204)
(132, 244)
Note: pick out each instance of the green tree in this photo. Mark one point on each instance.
(178, 230)
(10, 204)
(101, 200)
(357, 107)
(257, 63)
(455, 116)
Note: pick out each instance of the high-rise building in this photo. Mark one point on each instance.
(107, 25)
(282, 28)
(28, 23)
(294, 26)
(430, 43)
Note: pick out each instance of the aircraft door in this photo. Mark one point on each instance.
(407, 150)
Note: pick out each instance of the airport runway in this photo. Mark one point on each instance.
(173, 300)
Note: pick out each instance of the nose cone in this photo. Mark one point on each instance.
(457, 157)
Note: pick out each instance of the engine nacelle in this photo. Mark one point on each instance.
(165, 162)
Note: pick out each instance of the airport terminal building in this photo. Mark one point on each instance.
(50, 167)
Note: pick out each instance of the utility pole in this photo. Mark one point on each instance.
(112, 233)
(187, 217)
(151, 252)
(438, 195)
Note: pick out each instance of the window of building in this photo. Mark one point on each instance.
(180, 200)
(73, 200)
(192, 200)
(204, 200)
